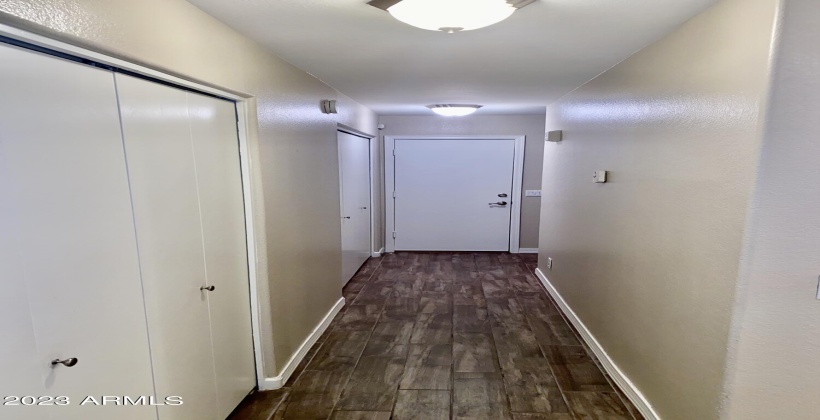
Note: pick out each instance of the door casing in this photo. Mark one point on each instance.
(390, 182)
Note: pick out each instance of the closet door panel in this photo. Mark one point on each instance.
(65, 192)
(167, 215)
(216, 151)
(23, 371)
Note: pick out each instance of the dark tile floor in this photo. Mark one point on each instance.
(446, 336)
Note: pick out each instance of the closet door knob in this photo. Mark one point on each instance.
(67, 362)
(208, 288)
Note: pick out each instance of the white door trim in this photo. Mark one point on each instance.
(375, 252)
(248, 182)
(390, 177)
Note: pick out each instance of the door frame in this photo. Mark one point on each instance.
(371, 144)
(390, 184)
(375, 248)
(249, 183)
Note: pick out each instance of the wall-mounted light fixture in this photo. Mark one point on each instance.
(329, 106)
(454, 110)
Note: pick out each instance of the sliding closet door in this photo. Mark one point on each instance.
(69, 267)
(216, 152)
(167, 215)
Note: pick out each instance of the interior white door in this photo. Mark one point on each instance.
(216, 152)
(354, 175)
(162, 170)
(446, 192)
(71, 278)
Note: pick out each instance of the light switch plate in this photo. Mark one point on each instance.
(532, 193)
(599, 177)
(549, 263)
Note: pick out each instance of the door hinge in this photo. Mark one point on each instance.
(394, 234)
(394, 152)
(394, 194)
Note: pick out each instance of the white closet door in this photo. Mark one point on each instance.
(67, 232)
(216, 151)
(167, 214)
(354, 175)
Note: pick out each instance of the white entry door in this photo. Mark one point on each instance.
(354, 176)
(453, 195)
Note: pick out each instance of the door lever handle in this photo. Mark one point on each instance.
(210, 288)
(500, 203)
(67, 362)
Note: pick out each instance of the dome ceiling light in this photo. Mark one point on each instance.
(450, 15)
(454, 110)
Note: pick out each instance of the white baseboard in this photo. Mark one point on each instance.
(631, 391)
(276, 382)
(528, 250)
(379, 253)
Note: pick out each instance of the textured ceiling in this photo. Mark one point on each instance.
(517, 66)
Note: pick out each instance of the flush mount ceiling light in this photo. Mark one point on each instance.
(453, 110)
(450, 15)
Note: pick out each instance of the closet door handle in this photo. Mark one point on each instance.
(208, 288)
(67, 362)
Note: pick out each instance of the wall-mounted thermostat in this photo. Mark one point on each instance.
(599, 177)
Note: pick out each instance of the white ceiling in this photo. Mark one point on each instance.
(517, 66)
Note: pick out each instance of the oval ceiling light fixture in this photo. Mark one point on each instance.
(454, 110)
(450, 15)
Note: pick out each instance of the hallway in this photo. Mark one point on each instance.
(446, 335)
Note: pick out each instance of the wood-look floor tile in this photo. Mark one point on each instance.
(495, 376)
(472, 276)
(439, 285)
(436, 303)
(496, 286)
(259, 405)
(506, 313)
(374, 294)
(428, 367)
(401, 309)
(516, 340)
(480, 399)
(541, 416)
(410, 287)
(432, 329)
(474, 352)
(531, 387)
(597, 406)
(302, 405)
(576, 371)
(486, 261)
(360, 415)
(389, 338)
(358, 318)
(303, 364)
(373, 385)
(422, 405)
(471, 319)
(524, 284)
(554, 332)
(340, 351)
(469, 294)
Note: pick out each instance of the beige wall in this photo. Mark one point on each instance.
(775, 362)
(650, 260)
(293, 145)
(531, 126)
